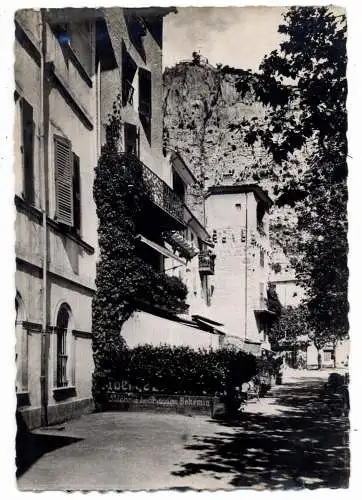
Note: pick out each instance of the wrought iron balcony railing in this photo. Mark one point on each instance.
(162, 195)
(206, 263)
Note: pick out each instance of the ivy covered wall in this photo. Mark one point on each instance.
(124, 279)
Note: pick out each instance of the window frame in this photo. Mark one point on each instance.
(77, 195)
(62, 357)
(27, 157)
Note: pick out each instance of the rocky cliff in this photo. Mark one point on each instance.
(200, 106)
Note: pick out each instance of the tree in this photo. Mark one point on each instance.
(303, 87)
(291, 330)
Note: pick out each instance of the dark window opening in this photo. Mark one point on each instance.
(262, 258)
(104, 49)
(261, 295)
(62, 358)
(145, 100)
(260, 212)
(137, 29)
(154, 26)
(178, 185)
(152, 257)
(131, 139)
(27, 150)
(129, 68)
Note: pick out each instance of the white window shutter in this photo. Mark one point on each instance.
(63, 160)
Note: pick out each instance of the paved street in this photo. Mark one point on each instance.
(296, 437)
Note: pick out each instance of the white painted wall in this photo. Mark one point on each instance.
(145, 328)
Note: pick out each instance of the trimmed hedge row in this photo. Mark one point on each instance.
(178, 370)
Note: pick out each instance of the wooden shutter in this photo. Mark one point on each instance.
(63, 160)
(76, 194)
(28, 150)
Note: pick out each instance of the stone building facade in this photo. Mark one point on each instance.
(70, 65)
(56, 225)
(238, 220)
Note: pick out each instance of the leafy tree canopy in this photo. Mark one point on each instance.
(303, 86)
(291, 324)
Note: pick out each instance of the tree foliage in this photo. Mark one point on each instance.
(291, 324)
(303, 86)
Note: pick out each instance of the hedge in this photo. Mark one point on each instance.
(179, 370)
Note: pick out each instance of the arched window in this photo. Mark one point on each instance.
(62, 356)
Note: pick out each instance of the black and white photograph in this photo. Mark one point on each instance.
(181, 312)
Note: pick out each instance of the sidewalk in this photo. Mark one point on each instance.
(290, 439)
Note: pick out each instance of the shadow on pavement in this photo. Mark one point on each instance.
(304, 444)
(31, 446)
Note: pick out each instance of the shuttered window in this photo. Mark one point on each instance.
(76, 195)
(27, 149)
(63, 160)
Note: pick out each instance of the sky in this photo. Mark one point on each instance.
(236, 36)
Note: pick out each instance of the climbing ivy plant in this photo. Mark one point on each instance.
(123, 279)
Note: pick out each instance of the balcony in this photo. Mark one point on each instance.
(206, 263)
(262, 308)
(181, 244)
(166, 208)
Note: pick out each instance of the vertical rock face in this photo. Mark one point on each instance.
(200, 103)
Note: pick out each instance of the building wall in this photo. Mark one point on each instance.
(71, 260)
(238, 272)
(289, 293)
(111, 84)
(199, 297)
(145, 328)
(341, 354)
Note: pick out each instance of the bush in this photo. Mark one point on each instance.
(182, 370)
